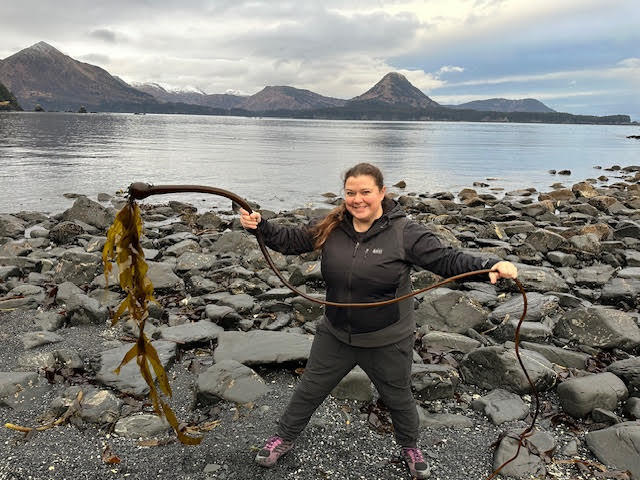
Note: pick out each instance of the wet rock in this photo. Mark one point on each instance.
(627, 228)
(129, 380)
(497, 367)
(599, 327)
(35, 339)
(306, 272)
(354, 386)
(90, 212)
(527, 464)
(584, 190)
(182, 247)
(628, 370)
(65, 233)
(586, 243)
(141, 426)
(448, 342)
(449, 311)
(209, 220)
(62, 358)
(262, 347)
(562, 194)
(531, 331)
(241, 303)
(11, 226)
(630, 272)
(618, 446)
(160, 273)
(191, 333)
(562, 259)
(434, 381)
(231, 381)
(501, 406)
(19, 391)
(306, 310)
(580, 396)
(223, 315)
(18, 248)
(84, 310)
(236, 242)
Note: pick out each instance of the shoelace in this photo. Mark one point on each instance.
(415, 454)
(273, 442)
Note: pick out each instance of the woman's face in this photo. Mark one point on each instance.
(363, 198)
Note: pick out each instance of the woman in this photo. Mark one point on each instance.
(368, 248)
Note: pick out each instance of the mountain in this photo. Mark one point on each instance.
(504, 105)
(288, 98)
(394, 89)
(215, 100)
(7, 100)
(40, 74)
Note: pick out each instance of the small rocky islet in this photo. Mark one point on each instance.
(233, 340)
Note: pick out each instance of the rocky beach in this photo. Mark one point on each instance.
(234, 341)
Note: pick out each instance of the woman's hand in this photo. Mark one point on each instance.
(249, 221)
(503, 270)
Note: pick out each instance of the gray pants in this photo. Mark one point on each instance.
(388, 367)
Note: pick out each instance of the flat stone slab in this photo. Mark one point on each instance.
(501, 406)
(192, 333)
(618, 445)
(129, 380)
(230, 380)
(19, 390)
(35, 339)
(441, 420)
(262, 347)
(141, 426)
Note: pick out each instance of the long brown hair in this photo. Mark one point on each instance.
(322, 230)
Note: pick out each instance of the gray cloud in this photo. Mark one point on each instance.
(104, 34)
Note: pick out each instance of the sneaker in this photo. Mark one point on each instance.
(274, 448)
(414, 459)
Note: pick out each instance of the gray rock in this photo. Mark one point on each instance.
(77, 267)
(11, 226)
(449, 311)
(178, 249)
(241, 303)
(618, 446)
(632, 408)
(434, 381)
(448, 342)
(209, 220)
(628, 370)
(354, 386)
(626, 290)
(602, 415)
(538, 306)
(65, 233)
(527, 464)
(630, 272)
(196, 261)
(66, 290)
(498, 367)
(100, 407)
(129, 380)
(49, 321)
(559, 356)
(90, 212)
(62, 358)
(236, 242)
(589, 243)
(530, 331)
(545, 241)
(160, 273)
(626, 228)
(277, 294)
(222, 315)
(84, 310)
(579, 396)
(262, 347)
(19, 391)
(562, 259)
(191, 333)
(35, 339)
(442, 420)
(540, 279)
(141, 426)
(306, 310)
(230, 380)
(306, 272)
(595, 275)
(8, 272)
(501, 406)
(599, 327)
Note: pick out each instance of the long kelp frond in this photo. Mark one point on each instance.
(123, 246)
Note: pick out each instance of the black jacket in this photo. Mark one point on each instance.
(373, 266)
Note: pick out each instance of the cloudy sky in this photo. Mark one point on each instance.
(578, 56)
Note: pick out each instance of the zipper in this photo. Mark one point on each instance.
(353, 262)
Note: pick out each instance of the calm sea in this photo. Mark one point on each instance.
(282, 164)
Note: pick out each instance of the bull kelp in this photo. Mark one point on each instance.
(123, 246)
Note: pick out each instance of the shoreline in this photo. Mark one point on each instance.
(578, 252)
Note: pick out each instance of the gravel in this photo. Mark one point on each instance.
(338, 443)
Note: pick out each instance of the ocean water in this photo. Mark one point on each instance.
(282, 164)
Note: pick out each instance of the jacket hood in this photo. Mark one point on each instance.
(390, 210)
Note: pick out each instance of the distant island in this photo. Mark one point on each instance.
(43, 78)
